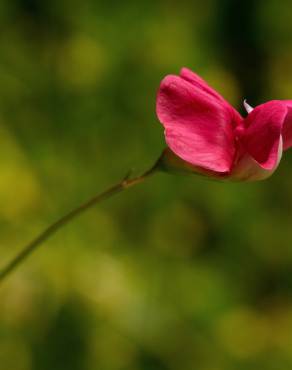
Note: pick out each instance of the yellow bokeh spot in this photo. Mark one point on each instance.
(243, 333)
(82, 62)
(19, 188)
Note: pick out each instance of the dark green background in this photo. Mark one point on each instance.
(179, 273)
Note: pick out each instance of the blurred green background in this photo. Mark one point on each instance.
(179, 273)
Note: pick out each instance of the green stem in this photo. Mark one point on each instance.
(57, 225)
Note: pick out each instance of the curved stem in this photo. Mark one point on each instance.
(57, 225)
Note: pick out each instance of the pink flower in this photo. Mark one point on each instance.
(206, 135)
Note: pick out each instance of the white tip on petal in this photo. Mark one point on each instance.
(280, 151)
(247, 107)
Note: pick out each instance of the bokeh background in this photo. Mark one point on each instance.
(180, 272)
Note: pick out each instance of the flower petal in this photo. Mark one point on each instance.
(287, 127)
(198, 127)
(199, 83)
(262, 134)
(247, 169)
(170, 162)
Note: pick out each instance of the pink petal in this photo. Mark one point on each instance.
(199, 83)
(262, 134)
(287, 127)
(198, 127)
(247, 169)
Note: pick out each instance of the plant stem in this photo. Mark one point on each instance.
(57, 225)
